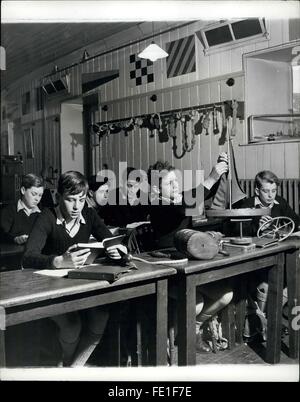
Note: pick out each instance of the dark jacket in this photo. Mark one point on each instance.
(280, 209)
(48, 239)
(166, 220)
(15, 223)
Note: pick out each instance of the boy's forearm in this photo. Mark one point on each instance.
(38, 261)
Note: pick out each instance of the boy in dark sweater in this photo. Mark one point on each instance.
(266, 184)
(167, 216)
(129, 202)
(52, 244)
(17, 220)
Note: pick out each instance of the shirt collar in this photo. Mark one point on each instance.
(257, 203)
(60, 220)
(28, 211)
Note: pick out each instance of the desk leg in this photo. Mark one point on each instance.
(2, 348)
(186, 321)
(275, 280)
(161, 323)
(293, 286)
(241, 307)
(115, 340)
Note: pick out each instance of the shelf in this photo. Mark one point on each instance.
(269, 142)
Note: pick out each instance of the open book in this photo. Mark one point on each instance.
(97, 248)
(108, 242)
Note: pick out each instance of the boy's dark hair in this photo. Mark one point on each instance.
(32, 180)
(265, 175)
(159, 166)
(94, 184)
(72, 182)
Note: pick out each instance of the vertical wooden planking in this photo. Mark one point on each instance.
(214, 64)
(275, 32)
(236, 59)
(205, 143)
(267, 156)
(122, 72)
(116, 81)
(225, 91)
(291, 160)
(251, 162)
(165, 82)
(225, 62)
(186, 160)
(215, 90)
(144, 135)
(277, 160)
(202, 62)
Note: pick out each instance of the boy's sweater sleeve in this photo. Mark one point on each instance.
(99, 230)
(6, 222)
(33, 257)
(290, 213)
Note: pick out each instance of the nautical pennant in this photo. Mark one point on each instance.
(181, 59)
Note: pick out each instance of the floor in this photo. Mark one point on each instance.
(23, 350)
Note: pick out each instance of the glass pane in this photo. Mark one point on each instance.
(246, 28)
(218, 35)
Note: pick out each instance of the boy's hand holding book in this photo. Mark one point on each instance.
(72, 258)
(113, 252)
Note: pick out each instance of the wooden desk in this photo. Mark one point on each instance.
(202, 272)
(26, 296)
(11, 255)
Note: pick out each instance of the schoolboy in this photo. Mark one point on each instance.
(52, 244)
(266, 186)
(17, 220)
(168, 219)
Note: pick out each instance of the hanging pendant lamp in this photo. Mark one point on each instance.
(153, 52)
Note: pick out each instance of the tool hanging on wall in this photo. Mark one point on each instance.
(215, 122)
(206, 122)
(193, 121)
(198, 127)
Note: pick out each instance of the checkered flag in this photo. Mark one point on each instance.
(141, 70)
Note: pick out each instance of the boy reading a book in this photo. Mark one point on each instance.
(52, 244)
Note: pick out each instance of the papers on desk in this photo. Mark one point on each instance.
(136, 224)
(55, 273)
(59, 273)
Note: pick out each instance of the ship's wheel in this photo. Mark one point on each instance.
(278, 228)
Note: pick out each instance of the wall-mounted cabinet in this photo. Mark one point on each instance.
(271, 93)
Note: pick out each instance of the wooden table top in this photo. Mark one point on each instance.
(236, 256)
(26, 286)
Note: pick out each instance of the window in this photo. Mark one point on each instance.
(232, 32)
(52, 86)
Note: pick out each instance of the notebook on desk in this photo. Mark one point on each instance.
(99, 272)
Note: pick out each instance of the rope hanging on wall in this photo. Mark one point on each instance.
(186, 122)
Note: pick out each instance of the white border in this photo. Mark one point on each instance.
(94, 11)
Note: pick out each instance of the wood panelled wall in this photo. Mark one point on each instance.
(206, 85)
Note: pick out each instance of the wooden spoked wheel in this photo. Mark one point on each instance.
(278, 228)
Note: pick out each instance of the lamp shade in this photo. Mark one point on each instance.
(153, 52)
